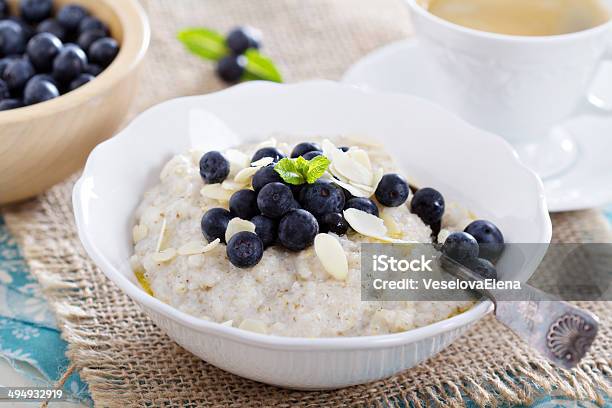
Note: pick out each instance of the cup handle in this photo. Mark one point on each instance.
(593, 104)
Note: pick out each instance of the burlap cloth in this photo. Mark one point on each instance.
(128, 361)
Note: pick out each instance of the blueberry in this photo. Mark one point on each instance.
(244, 249)
(35, 11)
(92, 23)
(70, 16)
(428, 204)
(7, 104)
(42, 50)
(5, 93)
(4, 9)
(103, 51)
(489, 237)
(26, 28)
(311, 155)
(17, 73)
(93, 69)
(482, 267)
(214, 223)
(272, 152)
(87, 38)
(44, 77)
(363, 204)
(241, 39)
(80, 81)
(275, 200)
(266, 229)
(243, 204)
(460, 246)
(333, 222)
(4, 63)
(12, 40)
(52, 26)
(302, 148)
(297, 230)
(231, 68)
(265, 175)
(39, 91)
(322, 197)
(344, 148)
(69, 63)
(214, 168)
(392, 190)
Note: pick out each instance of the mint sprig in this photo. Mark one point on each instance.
(210, 45)
(299, 171)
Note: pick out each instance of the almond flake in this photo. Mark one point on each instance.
(253, 325)
(332, 255)
(139, 232)
(365, 223)
(245, 175)
(357, 192)
(211, 245)
(378, 175)
(237, 159)
(237, 225)
(165, 255)
(228, 323)
(264, 161)
(216, 192)
(350, 168)
(232, 185)
(328, 148)
(191, 248)
(360, 156)
(393, 229)
(162, 233)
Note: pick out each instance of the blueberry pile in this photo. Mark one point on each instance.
(478, 247)
(46, 54)
(231, 67)
(285, 214)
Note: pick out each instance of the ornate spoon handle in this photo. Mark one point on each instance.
(561, 332)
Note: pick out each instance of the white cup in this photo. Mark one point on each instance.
(519, 87)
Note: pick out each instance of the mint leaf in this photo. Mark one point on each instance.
(287, 169)
(260, 67)
(316, 168)
(205, 43)
(301, 164)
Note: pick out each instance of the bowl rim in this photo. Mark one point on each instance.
(136, 39)
(135, 292)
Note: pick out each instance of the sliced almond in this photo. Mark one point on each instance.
(166, 255)
(253, 325)
(139, 232)
(211, 245)
(360, 156)
(237, 225)
(245, 175)
(328, 148)
(356, 191)
(216, 192)
(232, 185)
(351, 168)
(228, 323)
(376, 177)
(264, 161)
(191, 248)
(162, 234)
(332, 255)
(365, 223)
(237, 159)
(393, 228)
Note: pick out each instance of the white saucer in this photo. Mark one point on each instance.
(403, 67)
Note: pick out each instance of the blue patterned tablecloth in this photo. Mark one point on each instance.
(29, 336)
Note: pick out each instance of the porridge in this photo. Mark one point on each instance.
(267, 237)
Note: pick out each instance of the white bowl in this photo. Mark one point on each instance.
(434, 148)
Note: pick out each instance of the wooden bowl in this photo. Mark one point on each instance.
(42, 144)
